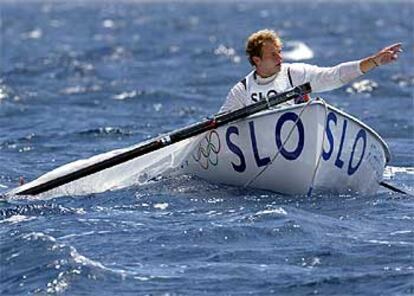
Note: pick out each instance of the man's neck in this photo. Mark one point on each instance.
(264, 79)
(266, 75)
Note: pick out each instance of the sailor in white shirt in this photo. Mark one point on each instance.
(271, 76)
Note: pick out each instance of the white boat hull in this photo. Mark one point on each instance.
(321, 149)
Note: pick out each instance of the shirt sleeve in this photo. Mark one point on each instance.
(236, 98)
(325, 78)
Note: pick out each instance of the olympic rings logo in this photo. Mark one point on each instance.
(208, 150)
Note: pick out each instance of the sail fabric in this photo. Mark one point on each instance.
(133, 172)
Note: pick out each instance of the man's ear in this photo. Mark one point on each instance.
(255, 60)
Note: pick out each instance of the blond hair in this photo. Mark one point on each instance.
(255, 42)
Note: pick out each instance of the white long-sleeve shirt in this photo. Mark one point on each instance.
(253, 88)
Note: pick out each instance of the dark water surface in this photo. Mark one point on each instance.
(81, 78)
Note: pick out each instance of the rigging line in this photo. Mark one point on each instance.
(322, 144)
(278, 152)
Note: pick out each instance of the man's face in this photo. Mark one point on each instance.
(270, 61)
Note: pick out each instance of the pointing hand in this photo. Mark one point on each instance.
(387, 55)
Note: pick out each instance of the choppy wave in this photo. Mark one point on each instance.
(34, 210)
(83, 77)
(298, 51)
(183, 245)
(106, 131)
(363, 86)
(392, 171)
(7, 93)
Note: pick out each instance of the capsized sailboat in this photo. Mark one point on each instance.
(299, 149)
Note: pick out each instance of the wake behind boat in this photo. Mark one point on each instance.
(300, 149)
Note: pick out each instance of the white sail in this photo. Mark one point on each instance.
(136, 171)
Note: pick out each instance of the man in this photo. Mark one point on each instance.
(271, 76)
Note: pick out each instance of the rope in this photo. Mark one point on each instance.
(322, 144)
(278, 152)
(248, 183)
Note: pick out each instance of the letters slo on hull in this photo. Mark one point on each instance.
(281, 150)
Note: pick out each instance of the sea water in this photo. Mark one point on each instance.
(78, 78)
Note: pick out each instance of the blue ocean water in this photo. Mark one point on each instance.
(81, 78)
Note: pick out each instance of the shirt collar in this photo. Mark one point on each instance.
(261, 81)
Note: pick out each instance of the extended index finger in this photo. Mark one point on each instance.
(395, 47)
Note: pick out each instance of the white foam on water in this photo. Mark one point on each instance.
(80, 259)
(34, 236)
(123, 273)
(161, 206)
(391, 171)
(278, 211)
(299, 52)
(73, 267)
(15, 219)
(402, 232)
(34, 34)
(390, 243)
